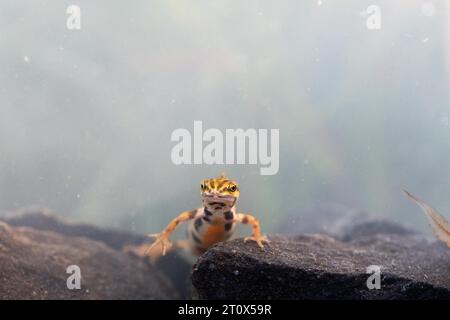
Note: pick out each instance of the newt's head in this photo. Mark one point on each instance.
(219, 193)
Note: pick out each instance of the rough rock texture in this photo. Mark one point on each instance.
(173, 266)
(320, 267)
(33, 265)
(36, 247)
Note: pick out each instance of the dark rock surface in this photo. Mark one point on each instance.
(372, 227)
(324, 217)
(175, 266)
(33, 265)
(36, 247)
(320, 267)
(45, 219)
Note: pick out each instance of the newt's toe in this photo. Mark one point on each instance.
(162, 240)
(259, 240)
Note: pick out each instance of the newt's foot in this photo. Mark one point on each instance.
(142, 251)
(161, 239)
(258, 239)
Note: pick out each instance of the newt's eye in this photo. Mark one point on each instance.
(232, 188)
(202, 186)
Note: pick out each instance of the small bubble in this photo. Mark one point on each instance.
(236, 272)
(26, 59)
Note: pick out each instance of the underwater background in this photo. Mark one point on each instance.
(86, 116)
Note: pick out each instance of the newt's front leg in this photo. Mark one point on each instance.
(256, 231)
(163, 237)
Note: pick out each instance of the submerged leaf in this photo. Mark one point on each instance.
(440, 226)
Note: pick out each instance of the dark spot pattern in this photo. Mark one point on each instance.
(228, 215)
(198, 223)
(221, 183)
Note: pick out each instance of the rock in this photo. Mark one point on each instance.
(320, 267)
(33, 265)
(45, 219)
(34, 259)
(372, 227)
(174, 266)
(177, 267)
(325, 217)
